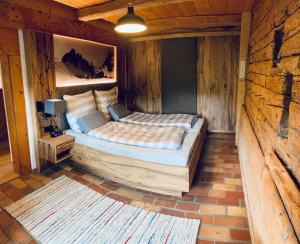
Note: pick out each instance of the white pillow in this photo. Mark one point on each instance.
(77, 106)
(104, 99)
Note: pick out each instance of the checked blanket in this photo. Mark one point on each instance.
(140, 135)
(176, 120)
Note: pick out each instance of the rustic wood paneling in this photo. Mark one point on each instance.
(3, 126)
(272, 100)
(144, 75)
(39, 54)
(218, 59)
(40, 64)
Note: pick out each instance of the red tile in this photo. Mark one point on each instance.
(172, 212)
(205, 219)
(18, 234)
(229, 202)
(240, 235)
(230, 221)
(80, 180)
(109, 186)
(5, 220)
(165, 202)
(204, 242)
(189, 198)
(99, 189)
(187, 206)
(148, 199)
(234, 195)
(199, 191)
(14, 194)
(210, 200)
(119, 198)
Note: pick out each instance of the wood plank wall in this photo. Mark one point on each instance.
(273, 104)
(217, 79)
(218, 59)
(144, 73)
(14, 99)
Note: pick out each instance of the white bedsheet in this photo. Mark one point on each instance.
(178, 157)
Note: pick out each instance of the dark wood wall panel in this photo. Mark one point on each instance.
(3, 126)
(144, 75)
(217, 81)
(179, 75)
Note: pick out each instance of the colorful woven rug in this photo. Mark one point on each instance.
(65, 211)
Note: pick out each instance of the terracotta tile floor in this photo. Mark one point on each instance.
(6, 165)
(216, 196)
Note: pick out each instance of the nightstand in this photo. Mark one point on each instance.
(56, 149)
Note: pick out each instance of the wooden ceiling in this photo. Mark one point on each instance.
(167, 16)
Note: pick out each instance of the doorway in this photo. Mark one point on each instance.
(6, 163)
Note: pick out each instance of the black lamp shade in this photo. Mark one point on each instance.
(130, 23)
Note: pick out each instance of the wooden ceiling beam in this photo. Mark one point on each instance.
(119, 7)
(185, 35)
(199, 21)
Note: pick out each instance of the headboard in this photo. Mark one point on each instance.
(73, 90)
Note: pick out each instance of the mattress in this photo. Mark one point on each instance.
(179, 157)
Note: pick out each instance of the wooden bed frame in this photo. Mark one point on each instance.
(153, 177)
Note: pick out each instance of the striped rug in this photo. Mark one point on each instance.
(65, 211)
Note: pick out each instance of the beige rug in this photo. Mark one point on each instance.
(65, 211)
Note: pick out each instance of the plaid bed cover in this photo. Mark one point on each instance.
(177, 120)
(140, 135)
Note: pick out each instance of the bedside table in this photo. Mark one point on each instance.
(55, 149)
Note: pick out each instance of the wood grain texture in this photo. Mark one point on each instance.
(39, 55)
(185, 35)
(39, 52)
(271, 99)
(19, 14)
(287, 188)
(272, 92)
(159, 178)
(159, 9)
(50, 148)
(3, 126)
(244, 48)
(267, 224)
(14, 100)
(217, 81)
(144, 75)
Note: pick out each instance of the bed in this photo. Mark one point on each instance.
(157, 170)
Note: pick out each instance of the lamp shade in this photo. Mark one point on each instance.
(130, 23)
(54, 106)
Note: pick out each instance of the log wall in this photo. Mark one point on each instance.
(272, 104)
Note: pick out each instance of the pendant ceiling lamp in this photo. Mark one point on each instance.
(130, 23)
